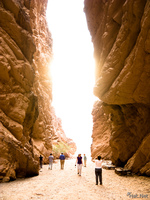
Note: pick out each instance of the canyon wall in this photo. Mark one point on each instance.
(120, 32)
(27, 127)
(61, 143)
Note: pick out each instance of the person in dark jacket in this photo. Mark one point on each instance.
(41, 160)
(62, 160)
(79, 164)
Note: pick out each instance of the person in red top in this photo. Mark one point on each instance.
(79, 164)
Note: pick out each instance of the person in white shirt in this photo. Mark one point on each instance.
(98, 170)
(50, 161)
(85, 159)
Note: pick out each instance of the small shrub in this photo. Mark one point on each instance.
(61, 148)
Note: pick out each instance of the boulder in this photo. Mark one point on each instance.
(139, 162)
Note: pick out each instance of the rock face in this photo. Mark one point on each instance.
(120, 33)
(60, 142)
(101, 132)
(26, 117)
(18, 103)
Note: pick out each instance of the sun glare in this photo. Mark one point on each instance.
(72, 70)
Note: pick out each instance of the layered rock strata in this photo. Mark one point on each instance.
(120, 33)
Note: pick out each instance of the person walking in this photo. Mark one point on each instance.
(79, 164)
(62, 160)
(41, 161)
(85, 159)
(98, 170)
(50, 161)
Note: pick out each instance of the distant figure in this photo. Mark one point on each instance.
(41, 161)
(50, 161)
(79, 164)
(98, 170)
(85, 159)
(62, 160)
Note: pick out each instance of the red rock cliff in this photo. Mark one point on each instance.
(120, 33)
(26, 127)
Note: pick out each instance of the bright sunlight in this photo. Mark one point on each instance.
(72, 70)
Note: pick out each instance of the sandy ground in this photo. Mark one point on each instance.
(65, 184)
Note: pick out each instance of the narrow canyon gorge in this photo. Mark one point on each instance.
(120, 32)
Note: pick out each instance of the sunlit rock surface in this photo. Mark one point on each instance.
(26, 120)
(101, 131)
(60, 138)
(120, 33)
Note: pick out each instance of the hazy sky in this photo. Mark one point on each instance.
(72, 70)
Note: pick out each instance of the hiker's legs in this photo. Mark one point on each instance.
(50, 165)
(62, 163)
(96, 176)
(100, 176)
(80, 168)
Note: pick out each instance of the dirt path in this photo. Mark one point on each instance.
(67, 185)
